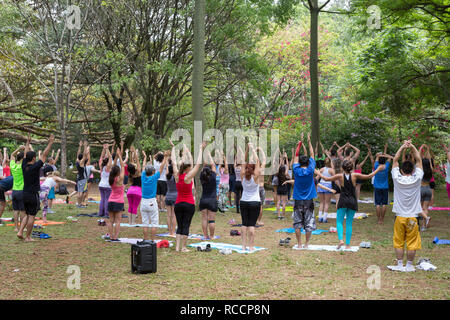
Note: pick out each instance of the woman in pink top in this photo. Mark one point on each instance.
(115, 201)
(185, 203)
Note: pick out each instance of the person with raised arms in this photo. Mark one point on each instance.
(347, 205)
(31, 186)
(185, 203)
(250, 201)
(116, 203)
(262, 191)
(17, 190)
(149, 204)
(407, 181)
(208, 201)
(304, 193)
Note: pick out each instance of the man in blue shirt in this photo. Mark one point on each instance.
(381, 185)
(304, 193)
(149, 205)
(6, 184)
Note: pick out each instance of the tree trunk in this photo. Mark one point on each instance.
(198, 77)
(313, 70)
(63, 153)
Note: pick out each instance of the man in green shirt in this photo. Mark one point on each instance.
(17, 190)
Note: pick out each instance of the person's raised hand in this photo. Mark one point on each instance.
(203, 145)
(51, 138)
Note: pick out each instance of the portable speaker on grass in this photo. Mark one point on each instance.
(143, 257)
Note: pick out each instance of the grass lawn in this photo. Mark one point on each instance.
(38, 270)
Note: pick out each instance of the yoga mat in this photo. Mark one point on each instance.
(61, 201)
(140, 225)
(288, 209)
(94, 201)
(365, 200)
(41, 223)
(240, 225)
(440, 208)
(6, 219)
(436, 240)
(191, 236)
(218, 246)
(358, 215)
(292, 230)
(134, 241)
(315, 247)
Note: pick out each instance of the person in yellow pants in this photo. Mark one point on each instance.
(407, 180)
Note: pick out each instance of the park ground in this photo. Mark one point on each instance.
(39, 270)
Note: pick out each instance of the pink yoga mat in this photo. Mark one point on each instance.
(440, 209)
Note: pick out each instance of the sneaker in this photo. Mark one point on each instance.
(106, 237)
(226, 251)
(396, 268)
(410, 268)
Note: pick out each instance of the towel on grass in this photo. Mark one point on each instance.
(219, 246)
(140, 225)
(292, 230)
(358, 215)
(315, 247)
(288, 209)
(135, 241)
(191, 236)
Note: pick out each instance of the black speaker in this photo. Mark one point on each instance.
(143, 257)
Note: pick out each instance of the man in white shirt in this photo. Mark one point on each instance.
(407, 207)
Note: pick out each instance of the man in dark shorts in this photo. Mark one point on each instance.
(31, 186)
(6, 184)
(381, 185)
(304, 193)
(17, 190)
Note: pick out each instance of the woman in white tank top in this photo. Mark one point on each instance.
(325, 195)
(250, 203)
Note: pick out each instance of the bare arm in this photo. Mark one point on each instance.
(144, 161)
(332, 178)
(361, 176)
(43, 157)
(194, 171)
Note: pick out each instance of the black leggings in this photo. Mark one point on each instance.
(250, 213)
(238, 194)
(184, 212)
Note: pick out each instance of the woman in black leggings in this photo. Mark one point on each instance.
(250, 201)
(208, 201)
(185, 203)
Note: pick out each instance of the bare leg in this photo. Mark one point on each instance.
(30, 223)
(184, 240)
(383, 213)
(410, 255)
(244, 237)
(205, 223)
(117, 226)
(146, 233)
(23, 224)
(251, 237)
(298, 235)
(153, 233)
(399, 253)
(308, 236)
(212, 226)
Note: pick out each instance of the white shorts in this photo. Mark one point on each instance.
(150, 212)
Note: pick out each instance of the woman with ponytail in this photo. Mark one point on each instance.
(208, 200)
(115, 201)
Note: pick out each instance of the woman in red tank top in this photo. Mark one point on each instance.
(185, 203)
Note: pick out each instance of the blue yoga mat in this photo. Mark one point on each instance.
(292, 230)
(94, 201)
(441, 241)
